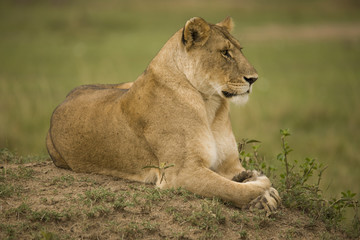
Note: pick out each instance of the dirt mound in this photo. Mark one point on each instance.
(40, 201)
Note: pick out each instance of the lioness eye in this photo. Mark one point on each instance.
(226, 53)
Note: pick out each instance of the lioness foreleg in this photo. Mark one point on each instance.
(233, 170)
(207, 183)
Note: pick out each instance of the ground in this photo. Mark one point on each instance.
(41, 201)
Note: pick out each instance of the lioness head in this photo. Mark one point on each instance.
(213, 62)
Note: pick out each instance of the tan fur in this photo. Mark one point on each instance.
(176, 112)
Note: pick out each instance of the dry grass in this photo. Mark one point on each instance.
(40, 201)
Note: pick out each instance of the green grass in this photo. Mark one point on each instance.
(309, 86)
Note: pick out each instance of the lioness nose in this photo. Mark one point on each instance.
(251, 79)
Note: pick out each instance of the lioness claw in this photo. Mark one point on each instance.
(269, 201)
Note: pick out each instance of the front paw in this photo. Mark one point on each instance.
(246, 176)
(269, 201)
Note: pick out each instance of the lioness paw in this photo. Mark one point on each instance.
(269, 201)
(275, 194)
(246, 176)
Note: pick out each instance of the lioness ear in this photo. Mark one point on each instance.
(227, 23)
(195, 33)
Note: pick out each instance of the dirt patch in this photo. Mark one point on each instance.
(40, 201)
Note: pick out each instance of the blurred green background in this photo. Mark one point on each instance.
(307, 54)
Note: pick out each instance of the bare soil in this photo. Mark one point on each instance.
(41, 201)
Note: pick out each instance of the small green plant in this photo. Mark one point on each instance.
(260, 219)
(8, 229)
(239, 217)
(46, 235)
(6, 190)
(183, 193)
(99, 195)
(153, 194)
(150, 227)
(208, 218)
(132, 230)
(252, 160)
(20, 172)
(162, 167)
(121, 203)
(22, 210)
(243, 234)
(297, 185)
(298, 192)
(48, 216)
(98, 211)
(7, 156)
(24, 172)
(177, 215)
(65, 180)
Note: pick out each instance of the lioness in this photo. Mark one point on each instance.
(175, 114)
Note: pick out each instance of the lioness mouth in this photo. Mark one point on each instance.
(230, 95)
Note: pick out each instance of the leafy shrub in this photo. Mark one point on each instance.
(298, 188)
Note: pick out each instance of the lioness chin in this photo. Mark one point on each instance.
(176, 113)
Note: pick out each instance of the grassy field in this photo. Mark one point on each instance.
(309, 80)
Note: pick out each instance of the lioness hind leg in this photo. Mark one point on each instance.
(54, 154)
